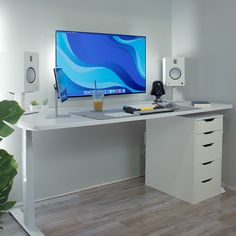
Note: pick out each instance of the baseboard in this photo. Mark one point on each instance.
(48, 200)
(222, 189)
(228, 187)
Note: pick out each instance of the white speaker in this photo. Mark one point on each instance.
(19, 72)
(173, 71)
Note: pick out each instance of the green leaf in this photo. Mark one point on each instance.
(5, 130)
(5, 191)
(6, 206)
(5, 158)
(10, 111)
(4, 181)
(3, 199)
(14, 163)
(8, 170)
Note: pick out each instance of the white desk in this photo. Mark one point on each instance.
(39, 122)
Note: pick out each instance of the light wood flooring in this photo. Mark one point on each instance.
(130, 208)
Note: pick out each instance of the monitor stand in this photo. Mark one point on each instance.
(56, 115)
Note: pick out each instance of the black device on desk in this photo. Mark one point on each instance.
(150, 108)
(158, 90)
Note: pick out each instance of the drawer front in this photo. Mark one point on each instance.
(208, 138)
(208, 152)
(207, 189)
(211, 124)
(209, 170)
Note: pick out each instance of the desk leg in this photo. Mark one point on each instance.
(27, 217)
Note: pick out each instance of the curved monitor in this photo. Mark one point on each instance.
(116, 62)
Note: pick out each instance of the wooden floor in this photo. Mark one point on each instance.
(130, 208)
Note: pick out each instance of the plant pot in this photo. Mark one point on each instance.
(34, 107)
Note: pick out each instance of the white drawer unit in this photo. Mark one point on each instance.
(185, 160)
(207, 188)
(209, 138)
(208, 152)
(208, 170)
(209, 124)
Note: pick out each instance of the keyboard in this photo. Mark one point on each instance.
(159, 110)
(150, 108)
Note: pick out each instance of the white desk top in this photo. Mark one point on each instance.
(40, 122)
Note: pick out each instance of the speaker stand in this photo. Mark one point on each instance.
(20, 98)
(176, 94)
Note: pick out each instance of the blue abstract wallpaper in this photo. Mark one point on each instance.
(116, 62)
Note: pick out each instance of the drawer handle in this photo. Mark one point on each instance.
(205, 181)
(209, 120)
(208, 145)
(207, 163)
(209, 132)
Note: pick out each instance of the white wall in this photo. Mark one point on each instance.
(204, 31)
(71, 159)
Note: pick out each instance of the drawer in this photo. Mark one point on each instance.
(209, 124)
(208, 138)
(209, 170)
(207, 188)
(208, 152)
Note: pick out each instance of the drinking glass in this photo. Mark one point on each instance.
(98, 96)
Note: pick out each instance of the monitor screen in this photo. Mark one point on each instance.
(116, 62)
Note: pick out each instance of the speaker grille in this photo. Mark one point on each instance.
(30, 75)
(175, 73)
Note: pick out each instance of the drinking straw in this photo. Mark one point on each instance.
(95, 86)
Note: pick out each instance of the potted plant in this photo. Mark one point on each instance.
(10, 113)
(44, 104)
(34, 105)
